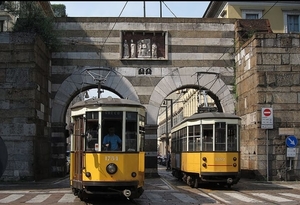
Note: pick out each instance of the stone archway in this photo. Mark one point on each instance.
(70, 87)
(185, 78)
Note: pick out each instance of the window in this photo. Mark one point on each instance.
(131, 131)
(251, 14)
(291, 21)
(220, 132)
(207, 137)
(232, 138)
(1, 26)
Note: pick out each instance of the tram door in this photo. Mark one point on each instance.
(78, 148)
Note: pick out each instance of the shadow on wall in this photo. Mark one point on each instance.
(3, 157)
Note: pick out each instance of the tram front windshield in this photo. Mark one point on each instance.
(128, 137)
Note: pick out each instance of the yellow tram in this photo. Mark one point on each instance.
(205, 148)
(95, 169)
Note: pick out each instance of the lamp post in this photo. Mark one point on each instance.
(167, 124)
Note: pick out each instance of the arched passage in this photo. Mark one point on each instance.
(188, 78)
(72, 86)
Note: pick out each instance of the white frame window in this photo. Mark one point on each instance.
(251, 12)
(285, 20)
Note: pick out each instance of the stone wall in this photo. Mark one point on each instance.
(267, 76)
(25, 106)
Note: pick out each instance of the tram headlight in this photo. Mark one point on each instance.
(204, 165)
(204, 159)
(111, 168)
(234, 158)
(133, 174)
(88, 174)
(234, 165)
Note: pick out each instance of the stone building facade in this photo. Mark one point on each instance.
(25, 107)
(267, 76)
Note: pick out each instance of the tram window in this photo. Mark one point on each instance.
(141, 132)
(91, 131)
(207, 137)
(92, 115)
(232, 142)
(111, 119)
(191, 138)
(177, 140)
(220, 141)
(197, 138)
(194, 138)
(131, 132)
(184, 148)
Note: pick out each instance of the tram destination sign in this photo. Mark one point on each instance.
(267, 118)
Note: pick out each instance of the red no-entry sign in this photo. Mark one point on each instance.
(267, 118)
(267, 112)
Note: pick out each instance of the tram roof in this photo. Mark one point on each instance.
(109, 101)
(213, 115)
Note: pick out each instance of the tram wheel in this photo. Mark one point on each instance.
(82, 195)
(75, 191)
(196, 182)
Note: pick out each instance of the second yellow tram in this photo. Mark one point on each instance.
(205, 148)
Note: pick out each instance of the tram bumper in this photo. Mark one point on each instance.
(127, 189)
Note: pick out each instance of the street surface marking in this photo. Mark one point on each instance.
(297, 196)
(14, 192)
(206, 196)
(60, 192)
(169, 186)
(242, 197)
(11, 198)
(271, 198)
(219, 198)
(185, 198)
(67, 198)
(39, 198)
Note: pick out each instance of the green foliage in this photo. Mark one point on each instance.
(32, 19)
(59, 10)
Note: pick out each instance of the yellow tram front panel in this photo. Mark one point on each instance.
(127, 164)
(190, 162)
(220, 162)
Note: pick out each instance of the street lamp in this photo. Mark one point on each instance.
(171, 120)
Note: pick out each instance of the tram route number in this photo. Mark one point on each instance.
(111, 158)
(219, 159)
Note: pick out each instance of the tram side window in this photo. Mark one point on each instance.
(131, 132)
(182, 142)
(191, 138)
(197, 138)
(207, 137)
(173, 142)
(177, 137)
(220, 141)
(194, 138)
(141, 146)
(232, 141)
(91, 131)
(184, 139)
